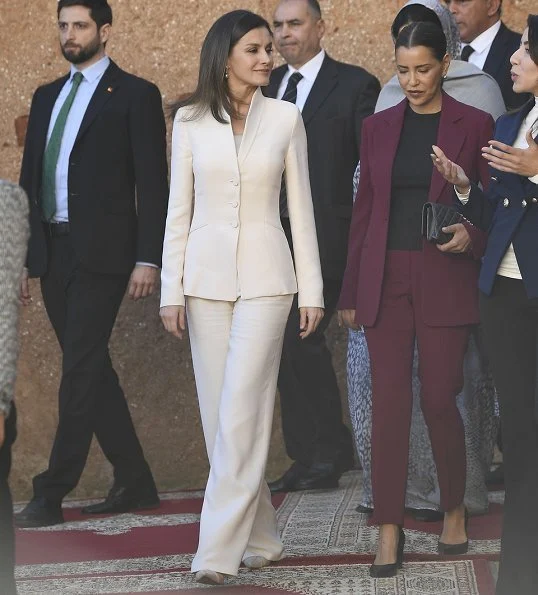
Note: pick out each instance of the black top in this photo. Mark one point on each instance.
(411, 179)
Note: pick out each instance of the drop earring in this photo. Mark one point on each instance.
(226, 73)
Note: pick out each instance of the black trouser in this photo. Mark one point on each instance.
(7, 538)
(510, 324)
(309, 397)
(82, 307)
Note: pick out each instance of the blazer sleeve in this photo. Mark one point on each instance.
(148, 142)
(301, 212)
(477, 233)
(178, 220)
(360, 219)
(27, 179)
(481, 205)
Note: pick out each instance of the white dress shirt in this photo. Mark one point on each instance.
(91, 77)
(508, 266)
(309, 71)
(482, 44)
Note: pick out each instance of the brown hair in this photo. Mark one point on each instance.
(211, 93)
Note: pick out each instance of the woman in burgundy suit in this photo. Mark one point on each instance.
(402, 288)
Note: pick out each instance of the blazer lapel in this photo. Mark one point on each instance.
(48, 101)
(388, 139)
(252, 124)
(450, 138)
(105, 89)
(325, 82)
(221, 139)
(508, 127)
(506, 132)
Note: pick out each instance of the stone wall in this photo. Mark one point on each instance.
(158, 40)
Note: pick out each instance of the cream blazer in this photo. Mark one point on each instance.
(223, 234)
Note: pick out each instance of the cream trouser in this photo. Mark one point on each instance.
(236, 348)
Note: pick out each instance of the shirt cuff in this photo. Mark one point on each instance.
(534, 179)
(463, 198)
(147, 264)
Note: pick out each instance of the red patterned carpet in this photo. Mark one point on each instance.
(328, 545)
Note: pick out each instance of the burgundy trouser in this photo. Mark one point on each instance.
(441, 351)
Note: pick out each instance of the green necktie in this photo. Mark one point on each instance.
(52, 152)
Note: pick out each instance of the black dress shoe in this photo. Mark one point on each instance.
(364, 509)
(39, 512)
(125, 499)
(454, 549)
(317, 476)
(389, 570)
(425, 515)
(287, 482)
(320, 476)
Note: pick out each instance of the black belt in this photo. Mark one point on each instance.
(56, 230)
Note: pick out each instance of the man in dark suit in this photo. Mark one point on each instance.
(95, 171)
(334, 99)
(489, 42)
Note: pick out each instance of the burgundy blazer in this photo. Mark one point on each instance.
(450, 281)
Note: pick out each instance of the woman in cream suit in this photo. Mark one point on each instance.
(227, 262)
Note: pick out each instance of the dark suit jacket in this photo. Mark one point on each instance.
(498, 65)
(509, 210)
(342, 96)
(450, 295)
(118, 175)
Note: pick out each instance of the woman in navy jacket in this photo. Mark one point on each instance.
(509, 307)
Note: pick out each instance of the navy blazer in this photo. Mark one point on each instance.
(450, 295)
(509, 210)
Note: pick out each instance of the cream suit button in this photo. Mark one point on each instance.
(235, 204)
(234, 182)
(234, 224)
(506, 203)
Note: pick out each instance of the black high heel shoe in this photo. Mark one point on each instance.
(389, 570)
(455, 549)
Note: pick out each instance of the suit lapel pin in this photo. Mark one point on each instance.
(110, 89)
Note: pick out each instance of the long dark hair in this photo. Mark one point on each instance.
(212, 90)
(532, 24)
(423, 34)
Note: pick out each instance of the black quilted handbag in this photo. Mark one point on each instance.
(436, 216)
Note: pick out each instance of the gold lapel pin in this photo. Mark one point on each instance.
(110, 89)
